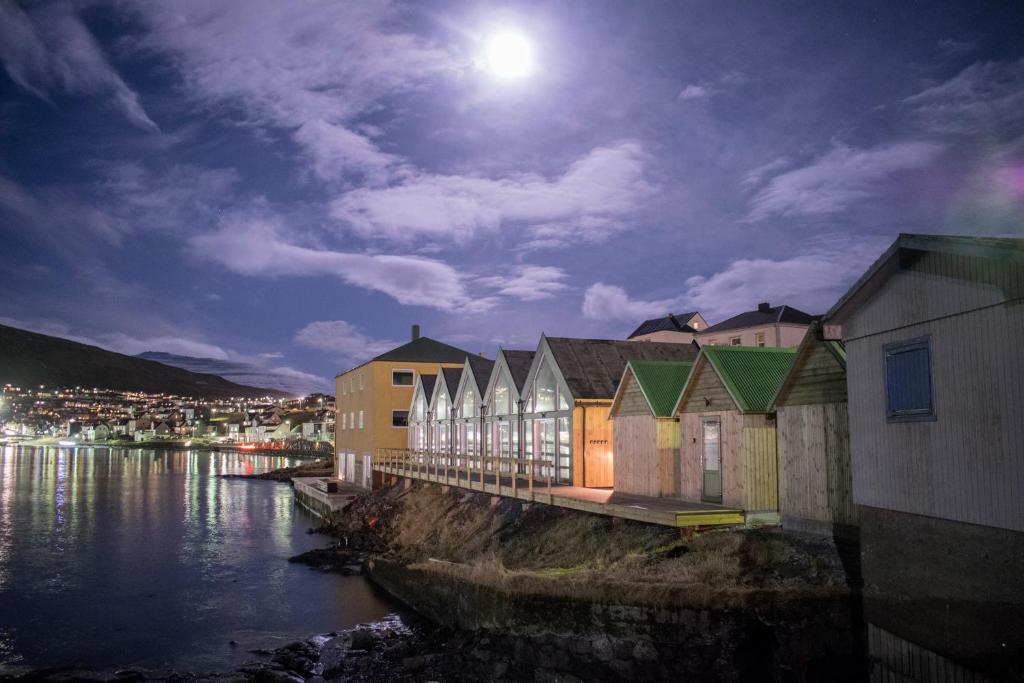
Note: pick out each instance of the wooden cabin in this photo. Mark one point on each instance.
(815, 480)
(468, 409)
(502, 403)
(420, 431)
(933, 336)
(728, 437)
(646, 428)
(566, 400)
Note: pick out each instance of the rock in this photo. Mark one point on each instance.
(362, 639)
(645, 651)
(603, 649)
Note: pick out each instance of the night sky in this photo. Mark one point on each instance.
(292, 184)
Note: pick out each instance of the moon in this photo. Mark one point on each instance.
(509, 55)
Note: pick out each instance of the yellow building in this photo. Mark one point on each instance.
(372, 402)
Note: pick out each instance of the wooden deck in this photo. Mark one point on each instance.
(671, 512)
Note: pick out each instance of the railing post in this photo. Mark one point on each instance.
(529, 475)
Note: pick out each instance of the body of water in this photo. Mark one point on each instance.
(140, 557)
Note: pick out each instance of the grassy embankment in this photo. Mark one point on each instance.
(547, 551)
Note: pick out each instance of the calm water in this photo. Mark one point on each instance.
(138, 557)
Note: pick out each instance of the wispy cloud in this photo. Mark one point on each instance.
(610, 302)
(528, 283)
(603, 185)
(342, 339)
(835, 181)
(48, 50)
(984, 97)
(693, 92)
(251, 243)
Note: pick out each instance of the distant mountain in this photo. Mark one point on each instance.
(297, 384)
(30, 359)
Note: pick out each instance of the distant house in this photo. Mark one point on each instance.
(680, 328)
(418, 420)
(815, 480)
(566, 398)
(468, 408)
(933, 335)
(502, 403)
(728, 438)
(646, 430)
(766, 326)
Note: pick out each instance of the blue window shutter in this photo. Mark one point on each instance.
(908, 380)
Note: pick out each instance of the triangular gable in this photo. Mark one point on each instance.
(500, 369)
(750, 375)
(625, 384)
(811, 343)
(660, 383)
(703, 371)
(468, 378)
(544, 352)
(419, 388)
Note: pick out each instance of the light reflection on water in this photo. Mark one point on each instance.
(113, 557)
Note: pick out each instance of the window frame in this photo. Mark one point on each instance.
(407, 415)
(917, 415)
(736, 341)
(410, 371)
(360, 419)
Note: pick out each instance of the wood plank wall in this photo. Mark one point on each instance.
(733, 469)
(760, 464)
(646, 455)
(632, 401)
(817, 377)
(814, 463)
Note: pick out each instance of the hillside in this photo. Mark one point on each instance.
(292, 383)
(28, 358)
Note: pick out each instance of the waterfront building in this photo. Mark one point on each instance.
(815, 479)
(936, 411)
(728, 437)
(372, 402)
(767, 326)
(646, 428)
(441, 412)
(566, 399)
(502, 404)
(467, 414)
(419, 432)
(680, 328)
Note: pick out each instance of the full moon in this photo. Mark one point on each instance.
(509, 55)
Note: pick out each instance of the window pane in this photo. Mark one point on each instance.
(908, 380)
(399, 418)
(544, 392)
(502, 396)
(402, 378)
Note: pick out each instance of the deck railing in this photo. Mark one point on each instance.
(473, 471)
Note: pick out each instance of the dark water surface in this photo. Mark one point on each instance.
(142, 557)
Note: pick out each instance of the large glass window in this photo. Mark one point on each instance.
(441, 412)
(502, 401)
(544, 389)
(468, 402)
(419, 409)
(402, 378)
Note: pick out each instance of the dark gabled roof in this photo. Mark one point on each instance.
(593, 367)
(774, 314)
(1004, 248)
(428, 382)
(519, 363)
(424, 350)
(481, 368)
(451, 380)
(670, 323)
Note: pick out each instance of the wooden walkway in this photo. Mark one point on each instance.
(671, 512)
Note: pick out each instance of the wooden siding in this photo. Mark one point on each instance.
(966, 465)
(933, 286)
(706, 386)
(632, 401)
(646, 460)
(592, 459)
(817, 377)
(814, 464)
(760, 464)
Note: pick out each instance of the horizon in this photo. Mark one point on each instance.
(289, 189)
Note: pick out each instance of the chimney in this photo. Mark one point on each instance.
(415, 332)
(764, 307)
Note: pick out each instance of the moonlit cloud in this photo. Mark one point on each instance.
(49, 51)
(693, 92)
(528, 283)
(342, 339)
(838, 179)
(603, 185)
(610, 302)
(986, 97)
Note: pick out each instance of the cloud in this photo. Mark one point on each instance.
(249, 243)
(609, 302)
(528, 283)
(49, 50)
(693, 92)
(313, 72)
(596, 189)
(811, 281)
(838, 179)
(985, 96)
(343, 339)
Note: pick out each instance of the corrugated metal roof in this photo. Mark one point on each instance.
(751, 374)
(661, 382)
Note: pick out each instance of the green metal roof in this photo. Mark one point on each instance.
(751, 374)
(661, 381)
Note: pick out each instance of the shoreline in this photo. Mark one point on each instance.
(54, 442)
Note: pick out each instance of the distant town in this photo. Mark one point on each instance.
(94, 415)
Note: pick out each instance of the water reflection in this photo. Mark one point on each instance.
(146, 557)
